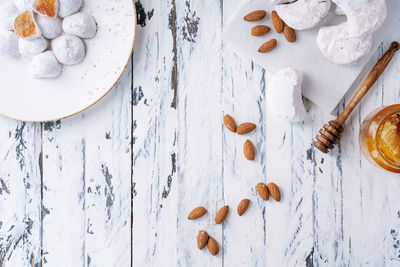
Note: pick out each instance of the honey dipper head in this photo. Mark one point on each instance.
(329, 136)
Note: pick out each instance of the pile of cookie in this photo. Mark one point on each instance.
(49, 32)
(345, 43)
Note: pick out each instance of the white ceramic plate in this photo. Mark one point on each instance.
(80, 86)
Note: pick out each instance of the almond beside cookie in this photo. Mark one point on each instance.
(255, 16)
(268, 46)
(260, 30)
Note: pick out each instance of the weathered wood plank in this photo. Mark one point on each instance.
(20, 186)
(199, 135)
(87, 185)
(154, 147)
(243, 97)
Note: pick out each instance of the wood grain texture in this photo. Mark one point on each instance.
(113, 186)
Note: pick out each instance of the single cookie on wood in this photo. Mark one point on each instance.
(284, 96)
(337, 45)
(45, 66)
(68, 49)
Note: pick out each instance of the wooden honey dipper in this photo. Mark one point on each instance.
(331, 133)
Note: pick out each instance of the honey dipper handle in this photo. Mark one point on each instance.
(368, 82)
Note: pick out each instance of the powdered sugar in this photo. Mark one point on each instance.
(50, 28)
(284, 95)
(363, 16)
(30, 48)
(69, 50)
(45, 65)
(80, 24)
(303, 14)
(8, 12)
(68, 7)
(337, 45)
(8, 43)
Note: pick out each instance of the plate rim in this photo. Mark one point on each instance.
(101, 97)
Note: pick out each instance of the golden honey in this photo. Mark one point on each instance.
(380, 137)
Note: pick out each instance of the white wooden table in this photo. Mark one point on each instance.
(113, 186)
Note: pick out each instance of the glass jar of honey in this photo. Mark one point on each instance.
(380, 137)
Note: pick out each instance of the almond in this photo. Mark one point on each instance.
(277, 22)
(243, 205)
(262, 190)
(245, 128)
(202, 239)
(213, 246)
(267, 46)
(197, 213)
(274, 191)
(248, 150)
(256, 15)
(229, 123)
(221, 214)
(290, 34)
(260, 30)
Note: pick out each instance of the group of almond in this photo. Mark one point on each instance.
(204, 239)
(260, 30)
(244, 128)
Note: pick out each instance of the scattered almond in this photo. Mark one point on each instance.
(260, 30)
(248, 150)
(274, 191)
(202, 239)
(221, 214)
(197, 213)
(277, 22)
(243, 205)
(245, 128)
(290, 34)
(213, 246)
(229, 123)
(256, 15)
(267, 46)
(262, 190)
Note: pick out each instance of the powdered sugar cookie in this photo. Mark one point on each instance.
(303, 14)
(284, 95)
(8, 43)
(337, 45)
(80, 24)
(363, 16)
(50, 28)
(23, 5)
(68, 7)
(8, 12)
(30, 48)
(68, 49)
(45, 65)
